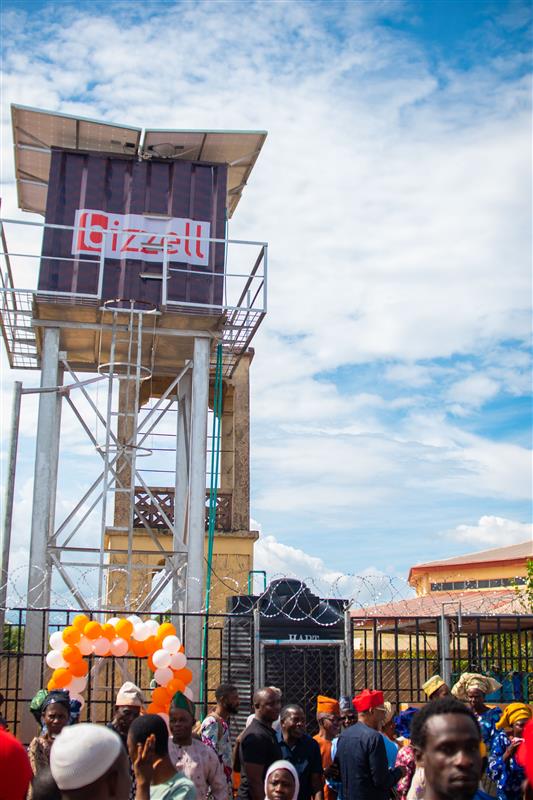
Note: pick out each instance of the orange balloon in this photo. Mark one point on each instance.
(151, 645)
(79, 669)
(109, 631)
(173, 686)
(159, 696)
(181, 649)
(154, 708)
(151, 664)
(71, 654)
(184, 675)
(137, 648)
(124, 628)
(71, 635)
(51, 685)
(166, 629)
(80, 621)
(93, 630)
(61, 677)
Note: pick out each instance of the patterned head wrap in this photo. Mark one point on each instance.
(512, 713)
(58, 696)
(345, 703)
(474, 680)
(181, 701)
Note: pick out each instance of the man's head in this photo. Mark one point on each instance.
(328, 717)
(227, 698)
(128, 706)
(370, 706)
(88, 762)
(446, 738)
(181, 718)
(348, 714)
(267, 704)
(292, 720)
(143, 727)
(435, 688)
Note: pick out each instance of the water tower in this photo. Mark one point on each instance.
(139, 294)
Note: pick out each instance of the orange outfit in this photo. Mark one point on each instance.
(325, 753)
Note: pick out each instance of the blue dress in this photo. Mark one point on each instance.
(487, 722)
(507, 775)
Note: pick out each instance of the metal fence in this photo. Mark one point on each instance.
(106, 674)
(397, 655)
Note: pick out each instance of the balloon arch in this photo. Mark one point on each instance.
(119, 637)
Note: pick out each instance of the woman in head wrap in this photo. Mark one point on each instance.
(55, 714)
(504, 768)
(472, 688)
(406, 755)
(281, 781)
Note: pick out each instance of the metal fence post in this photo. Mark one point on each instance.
(9, 497)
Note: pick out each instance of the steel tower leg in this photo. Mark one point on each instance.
(181, 492)
(196, 517)
(44, 483)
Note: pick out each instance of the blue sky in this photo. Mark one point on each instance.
(391, 387)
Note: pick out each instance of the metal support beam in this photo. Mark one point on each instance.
(196, 518)
(181, 492)
(8, 501)
(44, 483)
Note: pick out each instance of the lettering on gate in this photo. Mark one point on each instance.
(137, 237)
(303, 637)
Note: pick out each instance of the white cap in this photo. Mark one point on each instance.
(83, 753)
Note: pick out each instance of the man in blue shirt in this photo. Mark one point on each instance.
(302, 751)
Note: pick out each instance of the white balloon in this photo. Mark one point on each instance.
(134, 619)
(85, 646)
(56, 641)
(161, 658)
(78, 685)
(78, 697)
(113, 621)
(140, 632)
(55, 660)
(188, 693)
(101, 646)
(152, 626)
(178, 660)
(119, 647)
(171, 643)
(163, 675)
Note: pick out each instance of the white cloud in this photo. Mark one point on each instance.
(493, 532)
(473, 390)
(368, 588)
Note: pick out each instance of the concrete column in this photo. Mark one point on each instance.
(196, 517)
(241, 438)
(44, 483)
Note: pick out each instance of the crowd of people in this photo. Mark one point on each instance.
(454, 747)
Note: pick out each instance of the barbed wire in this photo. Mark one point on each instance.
(294, 598)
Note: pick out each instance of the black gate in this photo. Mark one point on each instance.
(302, 672)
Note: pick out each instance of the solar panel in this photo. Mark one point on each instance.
(35, 132)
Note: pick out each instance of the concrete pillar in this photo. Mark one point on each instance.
(44, 483)
(241, 437)
(196, 517)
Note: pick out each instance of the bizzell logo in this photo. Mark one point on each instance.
(140, 238)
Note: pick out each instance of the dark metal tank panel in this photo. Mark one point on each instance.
(124, 185)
